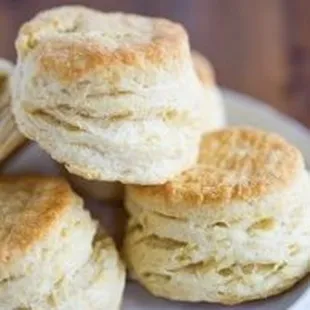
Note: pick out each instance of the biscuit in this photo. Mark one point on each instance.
(214, 111)
(46, 240)
(233, 228)
(113, 96)
(10, 137)
(214, 119)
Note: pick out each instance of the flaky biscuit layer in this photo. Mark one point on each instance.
(110, 95)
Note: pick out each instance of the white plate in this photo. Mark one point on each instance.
(240, 110)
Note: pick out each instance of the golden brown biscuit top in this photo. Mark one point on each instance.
(77, 40)
(203, 69)
(234, 163)
(29, 206)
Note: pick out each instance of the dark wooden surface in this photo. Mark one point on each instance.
(257, 47)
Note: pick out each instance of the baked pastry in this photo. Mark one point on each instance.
(48, 243)
(113, 96)
(10, 137)
(232, 229)
(214, 111)
(214, 119)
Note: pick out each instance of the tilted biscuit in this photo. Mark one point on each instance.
(10, 137)
(46, 238)
(232, 229)
(113, 96)
(6, 69)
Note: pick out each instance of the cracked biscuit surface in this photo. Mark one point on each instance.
(232, 229)
(47, 239)
(113, 96)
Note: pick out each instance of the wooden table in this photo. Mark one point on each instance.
(259, 47)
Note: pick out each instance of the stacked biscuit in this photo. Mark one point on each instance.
(113, 95)
(214, 118)
(120, 99)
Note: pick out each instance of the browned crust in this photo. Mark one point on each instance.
(29, 207)
(234, 164)
(70, 61)
(71, 57)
